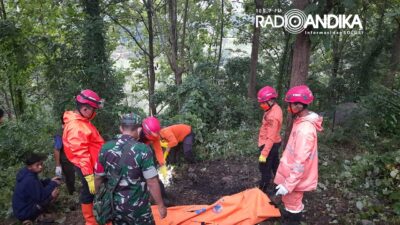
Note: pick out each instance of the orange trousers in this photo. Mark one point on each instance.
(293, 201)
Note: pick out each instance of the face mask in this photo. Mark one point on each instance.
(291, 110)
(264, 106)
(92, 116)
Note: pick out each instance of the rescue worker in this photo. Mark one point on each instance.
(150, 136)
(178, 134)
(82, 144)
(269, 138)
(126, 167)
(63, 165)
(298, 168)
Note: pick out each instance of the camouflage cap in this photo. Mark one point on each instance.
(130, 119)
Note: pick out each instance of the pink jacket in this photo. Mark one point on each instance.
(298, 167)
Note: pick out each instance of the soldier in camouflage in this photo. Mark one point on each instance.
(128, 165)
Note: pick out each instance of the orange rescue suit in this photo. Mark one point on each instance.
(82, 142)
(157, 150)
(175, 134)
(270, 129)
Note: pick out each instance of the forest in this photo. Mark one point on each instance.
(202, 62)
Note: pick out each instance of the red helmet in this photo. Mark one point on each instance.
(91, 98)
(151, 125)
(266, 93)
(300, 94)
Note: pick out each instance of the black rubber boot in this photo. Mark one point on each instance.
(189, 157)
(268, 189)
(291, 218)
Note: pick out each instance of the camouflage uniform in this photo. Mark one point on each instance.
(131, 197)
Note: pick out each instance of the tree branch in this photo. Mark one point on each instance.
(129, 33)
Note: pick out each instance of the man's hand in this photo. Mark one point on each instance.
(281, 190)
(58, 171)
(163, 211)
(262, 159)
(57, 180)
(90, 182)
(55, 193)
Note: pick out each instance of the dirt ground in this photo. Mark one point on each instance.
(206, 182)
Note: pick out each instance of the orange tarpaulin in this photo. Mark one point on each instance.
(245, 208)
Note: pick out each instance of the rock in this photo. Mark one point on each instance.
(365, 222)
(359, 205)
(345, 112)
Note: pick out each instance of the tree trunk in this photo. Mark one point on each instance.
(94, 51)
(11, 90)
(368, 62)
(3, 10)
(283, 71)
(8, 105)
(221, 36)
(251, 89)
(301, 53)
(152, 73)
(98, 74)
(182, 51)
(336, 54)
(300, 63)
(301, 60)
(173, 40)
(389, 79)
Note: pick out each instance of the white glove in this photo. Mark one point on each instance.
(58, 171)
(281, 190)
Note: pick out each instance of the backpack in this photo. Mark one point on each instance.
(104, 202)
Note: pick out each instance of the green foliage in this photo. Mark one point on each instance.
(32, 134)
(378, 173)
(218, 106)
(384, 110)
(373, 121)
(7, 182)
(199, 97)
(236, 75)
(196, 102)
(230, 143)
